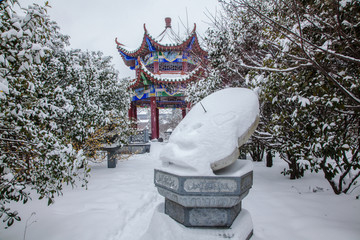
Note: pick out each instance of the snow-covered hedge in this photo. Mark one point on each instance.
(52, 101)
(304, 58)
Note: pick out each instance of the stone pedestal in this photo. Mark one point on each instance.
(164, 228)
(203, 201)
(112, 151)
(111, 160)
(202, 216)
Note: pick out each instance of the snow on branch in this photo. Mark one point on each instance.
(274, 69)
(281, 27)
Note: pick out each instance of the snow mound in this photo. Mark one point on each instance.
(170, 229)
(208, 138)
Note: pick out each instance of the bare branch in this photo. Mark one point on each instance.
(275, 69)
(272, 22)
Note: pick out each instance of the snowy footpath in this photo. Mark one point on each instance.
(120, 202)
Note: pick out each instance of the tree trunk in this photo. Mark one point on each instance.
(329, 177)
(269, 159)
(256, 151)
(294, 168)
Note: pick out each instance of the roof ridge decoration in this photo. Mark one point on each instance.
(147, 38)
(191, 76)
(159, 78)
(150, 44)
(169, 34)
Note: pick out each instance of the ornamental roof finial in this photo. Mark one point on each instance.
(167, 22)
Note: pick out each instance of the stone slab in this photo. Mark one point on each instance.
(111, 159)
(202, 216)
(202, 201)
(204, 185)
(241, 229)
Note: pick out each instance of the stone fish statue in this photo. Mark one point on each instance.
(208, 138)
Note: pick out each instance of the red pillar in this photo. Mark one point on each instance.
(157, 123)
(134, 113)
(156, 66)
(135, 116)
(183, 112)
(154, 118)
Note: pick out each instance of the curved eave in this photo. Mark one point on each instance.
(156, 79)
(129, 63)
(134, 82)
(144, 48)
(170, 47)
(198, 49)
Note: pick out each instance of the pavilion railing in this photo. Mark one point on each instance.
(140, 137)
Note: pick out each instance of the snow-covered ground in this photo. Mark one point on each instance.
(120, 202)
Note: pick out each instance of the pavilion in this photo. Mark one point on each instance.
(163, 67)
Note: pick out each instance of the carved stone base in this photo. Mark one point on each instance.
(164, 228)
(203, 201)
(202, 216)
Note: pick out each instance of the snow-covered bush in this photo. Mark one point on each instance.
(304, 57)
(92, 98)
(51, 101)
(33, 156)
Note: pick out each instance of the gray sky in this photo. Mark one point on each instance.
(94, 25)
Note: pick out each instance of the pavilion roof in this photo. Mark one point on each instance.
(166, 78)
(150, 44)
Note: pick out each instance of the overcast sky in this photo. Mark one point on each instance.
(94, 25)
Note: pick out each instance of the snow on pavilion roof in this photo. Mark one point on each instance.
(150, 44)
(166, 78)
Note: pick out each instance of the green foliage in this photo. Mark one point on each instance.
(92, 95)
(304, 57)
(51, 101)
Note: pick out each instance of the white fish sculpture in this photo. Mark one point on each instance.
(208, 138)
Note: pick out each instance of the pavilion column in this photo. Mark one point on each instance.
(154, 118)
(156, 66)
(157, 123)
(156, 62)
(183, 111)
(133, 114)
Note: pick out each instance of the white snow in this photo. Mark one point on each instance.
(4, 89)
(344, 2)
(240, 229)
(169, 77)
(120, 202)
(211, 131)
(238, 168)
